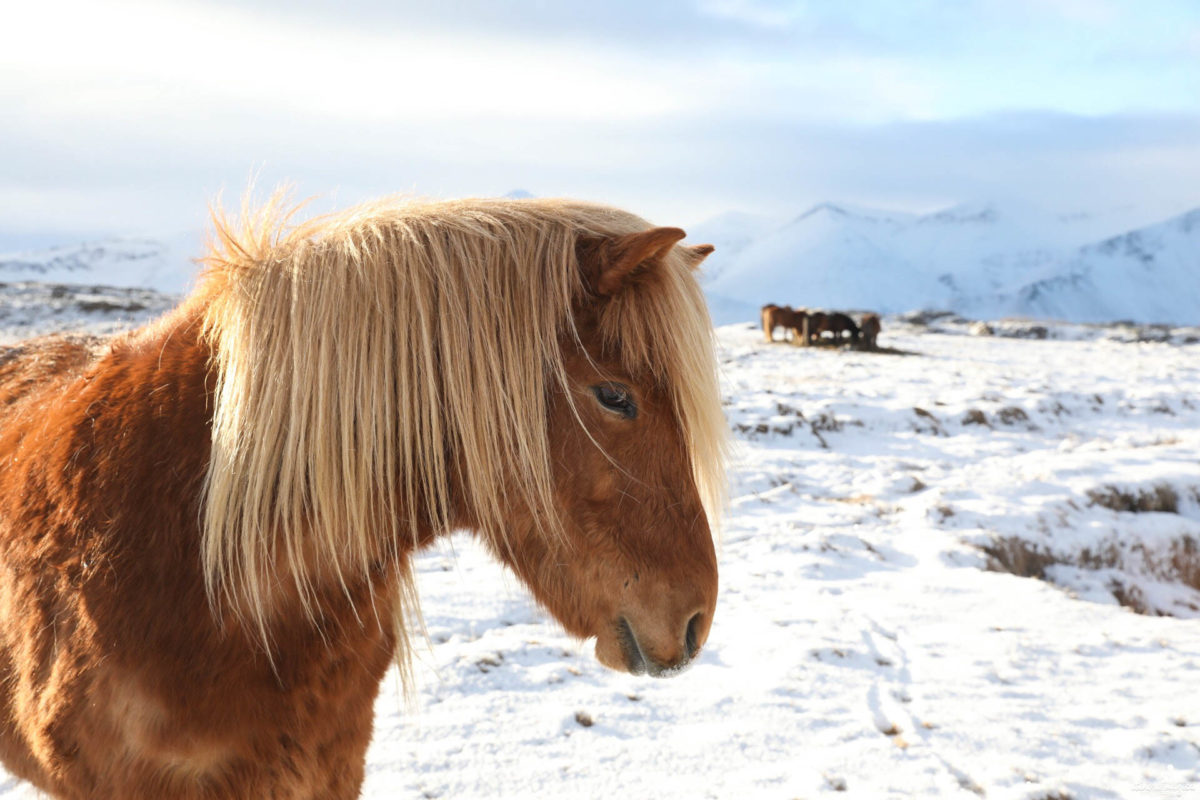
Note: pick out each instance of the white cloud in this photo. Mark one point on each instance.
(119, 57)
(1098, 13)
(139, 111)
(754, 12)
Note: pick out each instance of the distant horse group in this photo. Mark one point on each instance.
(819, 323)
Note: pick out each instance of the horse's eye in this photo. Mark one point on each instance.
(617, 398)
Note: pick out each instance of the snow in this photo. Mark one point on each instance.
(731, 233)
(33, 307)
(1106, 280)
(861, 646)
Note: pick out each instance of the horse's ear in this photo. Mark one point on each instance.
(698, 252)
(624, 256)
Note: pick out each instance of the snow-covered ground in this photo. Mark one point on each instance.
(29, 308)
(861, 645)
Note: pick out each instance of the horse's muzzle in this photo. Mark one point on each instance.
(639, 662)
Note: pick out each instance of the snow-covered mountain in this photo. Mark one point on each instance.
(981, 260)
(163, 263)
(1150, 274)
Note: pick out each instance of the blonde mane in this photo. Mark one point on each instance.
(363, 358)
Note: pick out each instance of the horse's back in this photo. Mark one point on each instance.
(44, 364)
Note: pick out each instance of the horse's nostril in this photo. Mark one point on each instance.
(690, 645)
(635, 659)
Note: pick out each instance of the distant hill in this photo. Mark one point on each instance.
(1148, 275)
(980, 260)
(164, 264)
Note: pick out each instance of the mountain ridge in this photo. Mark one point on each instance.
(979, 259)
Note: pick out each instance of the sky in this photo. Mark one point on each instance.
(125, 116)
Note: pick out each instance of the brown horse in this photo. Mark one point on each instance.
(794, 322)
(206, 525)
(773, 317)
(870, 328)
(835, 323)
(816, 321)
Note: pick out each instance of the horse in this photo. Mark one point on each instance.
(773, 317)
(207, 524)
(816, 322)
(870, 327)
(837, 323)
(794, 322)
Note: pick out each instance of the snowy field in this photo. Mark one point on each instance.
(862, 647)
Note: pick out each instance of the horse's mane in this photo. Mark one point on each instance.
(360, 355)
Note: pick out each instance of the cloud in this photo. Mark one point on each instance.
(162, 61)
(131, 114)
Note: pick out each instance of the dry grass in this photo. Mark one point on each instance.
(1011, 415)
(1019, 557)
(932, 425)
(1160, 497)
(1180, 563)
(854, 500)
(1184, 560)
(974, 416)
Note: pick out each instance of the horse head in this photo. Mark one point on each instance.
(633, 563)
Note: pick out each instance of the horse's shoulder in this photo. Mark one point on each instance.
(35, 363)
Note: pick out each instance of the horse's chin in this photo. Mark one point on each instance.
(611, 654)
